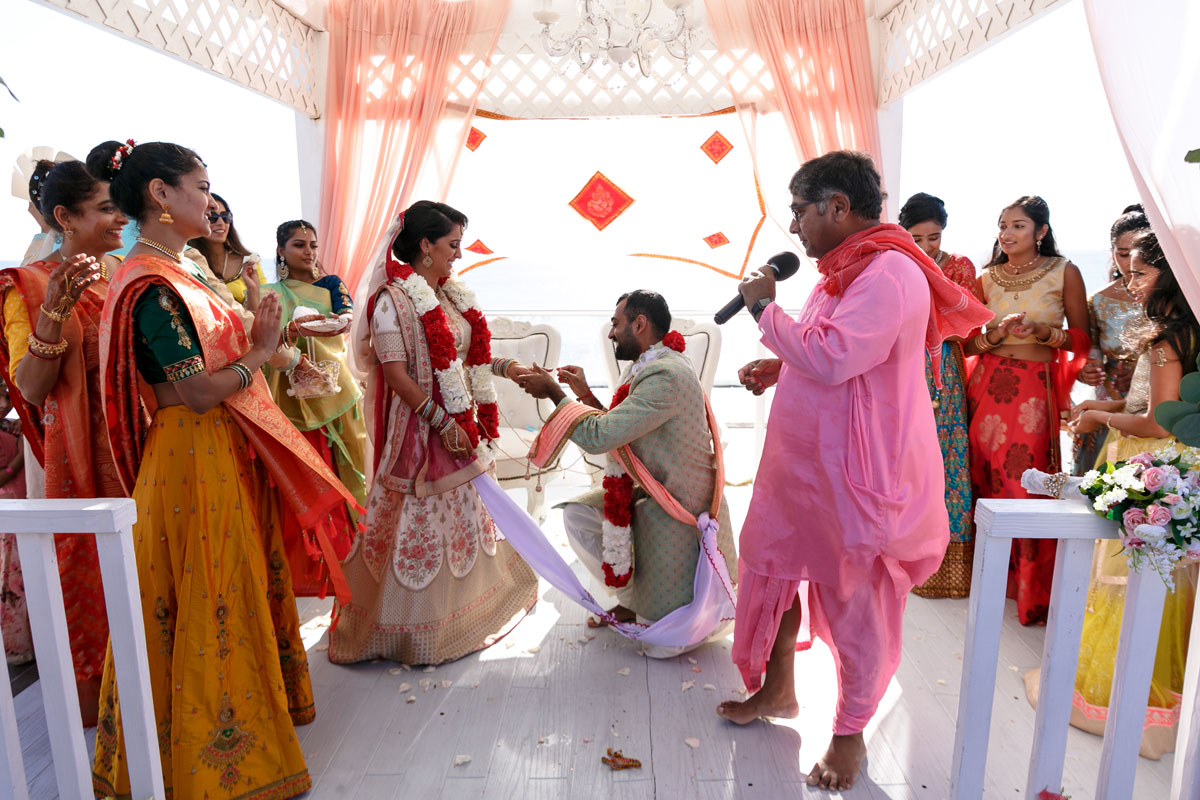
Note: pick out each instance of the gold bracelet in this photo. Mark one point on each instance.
(46, 349)
(61, 313)
(1109, 424)
(983, 343)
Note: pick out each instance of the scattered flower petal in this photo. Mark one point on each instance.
(692, 742)
(430, 668)
(696, 670)
(447, 684)
(396, 671)
(460, 760)
(692, 660)
(623, 671)
(941, 682)
(404, 687)
(687, 685)
(412, 698)
(708, 687)
(537, 648)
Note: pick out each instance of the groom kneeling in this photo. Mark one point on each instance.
(644, 555)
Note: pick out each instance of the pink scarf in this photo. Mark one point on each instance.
(953, 311)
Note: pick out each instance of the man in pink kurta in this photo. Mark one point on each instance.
(849, 491)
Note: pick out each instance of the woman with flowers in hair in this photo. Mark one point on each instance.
(49, 340)
(318, 393)
(1021, 383)
(429, 579)
(1168, 340)
(216, 471)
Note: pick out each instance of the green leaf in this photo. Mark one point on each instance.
(1187, 430)
(1189, 388)
(1169, 412)
(1192, 157)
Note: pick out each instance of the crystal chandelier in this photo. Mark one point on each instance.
(621, 34)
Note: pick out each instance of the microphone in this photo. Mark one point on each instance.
(784, 265)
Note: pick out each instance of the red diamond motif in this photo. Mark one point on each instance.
(478, 246)
(600, 201)
(716, 147)
(716, 240)
(475, 138)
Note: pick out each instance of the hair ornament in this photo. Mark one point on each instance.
(122, 152)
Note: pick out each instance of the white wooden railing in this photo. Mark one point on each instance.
(1076, 528)
(111, 520)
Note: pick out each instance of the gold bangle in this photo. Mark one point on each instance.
(61, 313)
(46, 349)
(1109, 424)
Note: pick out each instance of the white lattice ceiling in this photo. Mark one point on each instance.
(922, 37)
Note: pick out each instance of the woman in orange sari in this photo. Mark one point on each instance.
(1028, 359)
(49, 356)
(215, 468)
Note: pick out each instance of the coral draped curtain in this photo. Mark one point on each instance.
(1150, 67)
(819, 59)
(400, 97)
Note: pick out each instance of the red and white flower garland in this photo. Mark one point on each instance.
(448, 368)
(617, 538)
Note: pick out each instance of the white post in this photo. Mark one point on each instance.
(1185, 777)
(1140, 621)
(122, 597)
(12, 769)
(56, 670)
(985, 615)
(1060, 656)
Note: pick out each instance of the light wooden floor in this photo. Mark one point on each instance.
(535, 712)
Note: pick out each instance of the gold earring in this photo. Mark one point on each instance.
(427, 261)
(69, 232)
(165, 217)
(316, 271)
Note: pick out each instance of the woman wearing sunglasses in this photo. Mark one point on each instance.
(222, 255)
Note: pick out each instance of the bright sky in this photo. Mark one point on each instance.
(1027, 115)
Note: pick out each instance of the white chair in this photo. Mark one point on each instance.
(111, 520)
(703, 347)
(521, 416)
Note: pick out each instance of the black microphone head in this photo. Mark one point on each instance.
(785, 265)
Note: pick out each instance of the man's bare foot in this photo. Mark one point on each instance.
(619, 613)
(763, 703)
(839, 767)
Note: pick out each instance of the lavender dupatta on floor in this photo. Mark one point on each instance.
(713, 597)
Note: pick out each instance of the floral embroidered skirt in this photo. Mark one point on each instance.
(228, 670)
(953, 578)
(429, 580)
(1014, 426)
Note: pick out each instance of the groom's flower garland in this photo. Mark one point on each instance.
(617, 539)
(447, 367)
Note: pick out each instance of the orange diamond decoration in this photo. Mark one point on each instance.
(479, 247)
(475, 138)
(716, 147)
(716, 240)
(601, 201)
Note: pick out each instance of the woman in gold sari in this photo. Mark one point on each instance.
(215, 468)
(319, 395)
(1169, 341)
(49, 358)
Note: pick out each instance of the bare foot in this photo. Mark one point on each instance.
(620, 613)
(763, 703)
(839, 767)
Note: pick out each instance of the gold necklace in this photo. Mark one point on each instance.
(162, 248)
(1018, 283)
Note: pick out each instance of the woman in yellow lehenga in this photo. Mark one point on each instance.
(1170, 342)
(320, 395)
(214, 472)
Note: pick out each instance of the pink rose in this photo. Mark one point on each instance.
(1132, 518)
(1142, 459)
(1171, 499)
(1133, 542)
(1154, 478)
(1157, 515)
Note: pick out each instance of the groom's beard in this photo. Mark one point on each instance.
(627, 350)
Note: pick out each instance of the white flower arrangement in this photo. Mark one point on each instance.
(1155, 498)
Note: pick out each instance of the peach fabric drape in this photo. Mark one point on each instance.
(398, 100)
(1150, 67)
(819, 59)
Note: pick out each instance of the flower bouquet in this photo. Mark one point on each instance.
(1155, 498)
